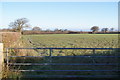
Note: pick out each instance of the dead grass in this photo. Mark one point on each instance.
(9, 38)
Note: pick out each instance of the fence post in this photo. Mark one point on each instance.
(50, 59)
(94, 55)
(7, 59)
(50, 52)
(1, 59)
(93, 51)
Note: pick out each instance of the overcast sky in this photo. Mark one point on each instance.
(62, 15)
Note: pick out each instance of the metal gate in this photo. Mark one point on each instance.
(76, 72)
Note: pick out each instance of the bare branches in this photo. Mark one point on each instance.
(95, 28)
(19, 24)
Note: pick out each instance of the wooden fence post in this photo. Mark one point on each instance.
(1, 59)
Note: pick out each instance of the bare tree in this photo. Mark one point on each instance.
(19, 24)
(104, 29)
(65, 30)
(111, 29)
(36, 29)
(95, 28)
(47, 30)
(56, 30)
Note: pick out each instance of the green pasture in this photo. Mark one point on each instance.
(73, 40)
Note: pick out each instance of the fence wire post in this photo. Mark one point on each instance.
(93, 51)
(50, 55)
(50, 52)
(7, 59)
(94, 55)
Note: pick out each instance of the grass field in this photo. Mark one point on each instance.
(68, 41)
(74, 40)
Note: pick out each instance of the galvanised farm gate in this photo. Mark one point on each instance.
(77, 68)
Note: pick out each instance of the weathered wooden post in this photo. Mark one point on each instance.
(1, 59)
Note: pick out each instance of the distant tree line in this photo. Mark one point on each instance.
(21, 24)
(96, 29)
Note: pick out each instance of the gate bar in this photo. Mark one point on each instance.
(72, 76)
(64, 64)
(68, 56)
(71, 48)
(66, 70)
